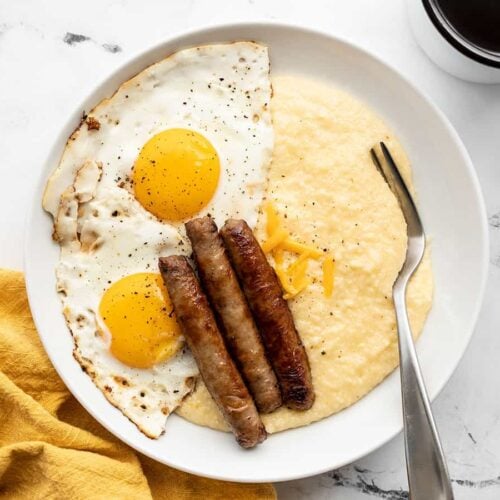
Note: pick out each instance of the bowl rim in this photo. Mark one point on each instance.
(207, 30)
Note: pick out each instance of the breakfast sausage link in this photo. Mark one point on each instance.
(243, 340)
(216, 367)
(272, 315)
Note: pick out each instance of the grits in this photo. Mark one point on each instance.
(323, 179)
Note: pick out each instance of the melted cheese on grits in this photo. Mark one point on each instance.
(323, 179)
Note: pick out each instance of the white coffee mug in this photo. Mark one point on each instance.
(448, 48)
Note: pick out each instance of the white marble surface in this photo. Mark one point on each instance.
(45, 71)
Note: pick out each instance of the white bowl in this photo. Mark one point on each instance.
(454, 217)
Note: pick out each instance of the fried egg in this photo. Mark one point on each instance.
(187, 136)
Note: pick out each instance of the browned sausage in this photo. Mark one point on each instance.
(229, 303)
(216, 367)
(271, 313)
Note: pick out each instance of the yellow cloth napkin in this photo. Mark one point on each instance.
(50, 447)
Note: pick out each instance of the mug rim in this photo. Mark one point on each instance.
(458, 41)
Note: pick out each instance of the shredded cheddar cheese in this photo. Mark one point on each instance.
(298, 274)
(273, 221)
(296, 247)
(278, 255)
(304, 284)
(285, 281)
(275, 239)
(302, 258)
(294, 278)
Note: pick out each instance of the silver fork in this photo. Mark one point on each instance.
(428, 477)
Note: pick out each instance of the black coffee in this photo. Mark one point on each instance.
(478, 21)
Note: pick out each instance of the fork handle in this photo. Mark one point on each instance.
(426, 466)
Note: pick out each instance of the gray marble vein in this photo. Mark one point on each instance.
(75, 38)
(367, 487)
(494, 221)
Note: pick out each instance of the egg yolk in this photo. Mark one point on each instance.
(176, 174)
(137, 312)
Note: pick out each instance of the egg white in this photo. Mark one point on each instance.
(116, 240)
(221, 91)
